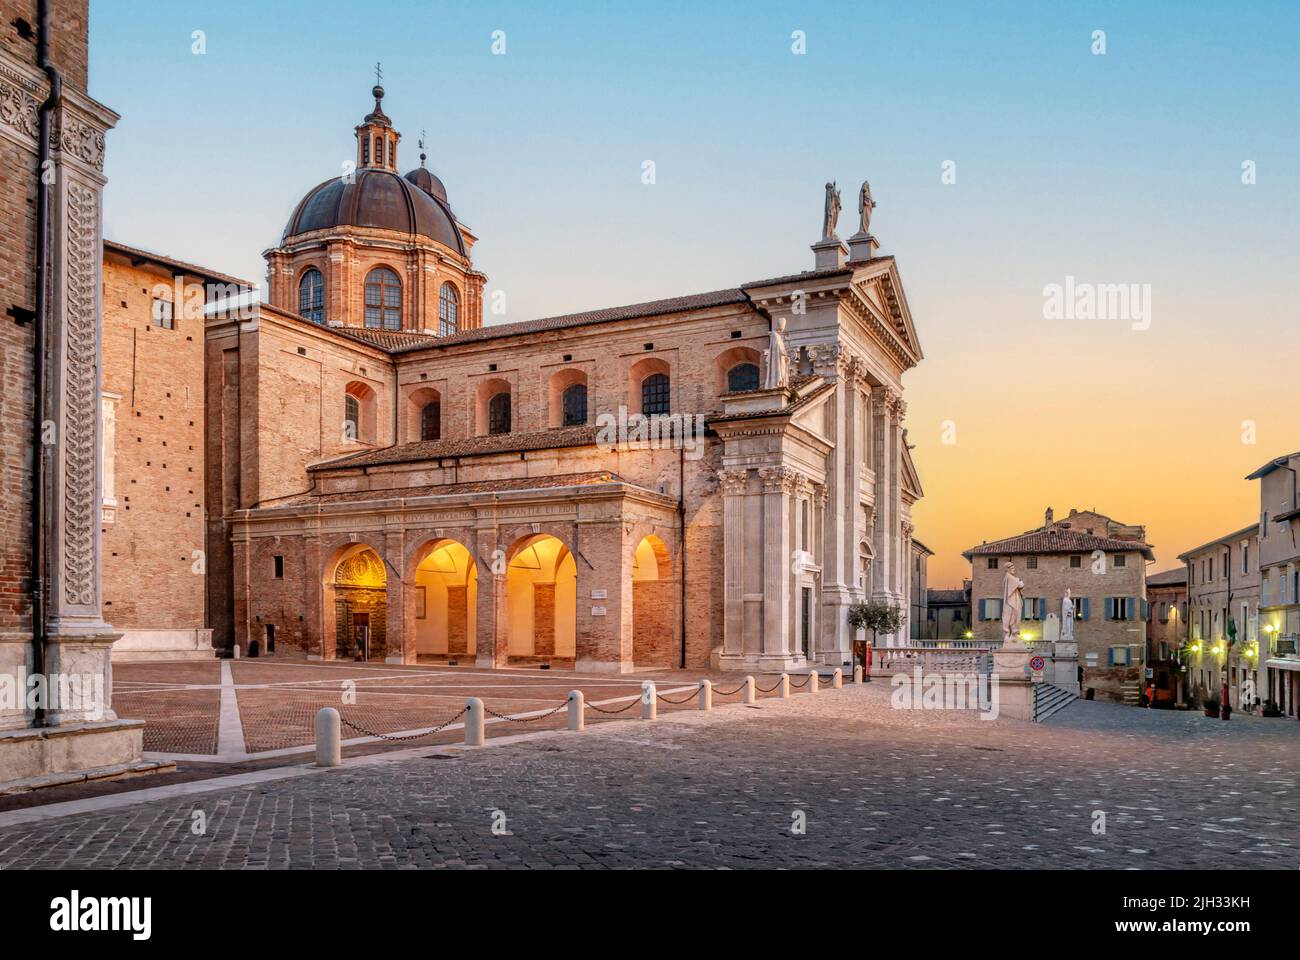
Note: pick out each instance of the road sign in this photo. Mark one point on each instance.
(1036, 663)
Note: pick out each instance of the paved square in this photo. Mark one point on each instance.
(878, 788)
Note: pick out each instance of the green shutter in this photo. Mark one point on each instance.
(1110, 608)
(1132, 608)
(982, 614)
(1087, 607)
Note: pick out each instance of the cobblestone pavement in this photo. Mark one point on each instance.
(878, 788)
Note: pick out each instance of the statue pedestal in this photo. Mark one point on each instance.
(862, 246)
(828, 254)
(1015, 688)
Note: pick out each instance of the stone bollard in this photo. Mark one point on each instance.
(785, 686)
(649, 701)
(577, 707)
(329, 738)
(814, 681)
(474, 736)
(706, 695)
(857, 674)
(750, 696)
(837, 679)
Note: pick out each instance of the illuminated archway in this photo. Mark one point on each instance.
(541, 599)
(444, 600)
(653, 605)
(356, 604)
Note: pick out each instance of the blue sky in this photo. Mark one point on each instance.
(1124, 167)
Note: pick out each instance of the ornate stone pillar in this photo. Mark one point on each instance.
(883, 400)
(733, 485)
(778, 485)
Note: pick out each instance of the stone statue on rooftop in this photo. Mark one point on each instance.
(776, 359)
(831, 216)
(865, 206)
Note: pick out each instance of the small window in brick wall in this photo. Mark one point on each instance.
(1076, 562)
(1120, 560)
(1031, 563)
(279, 567)
(993, 563)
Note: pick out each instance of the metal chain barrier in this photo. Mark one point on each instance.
(796, 686)
(679, 702)
(541, 716)
(727, 693)
(768, 689)
(623, 709)
(410, 736)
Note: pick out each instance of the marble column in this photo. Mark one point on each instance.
(778, 486)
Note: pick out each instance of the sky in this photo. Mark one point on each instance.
(1005, 151)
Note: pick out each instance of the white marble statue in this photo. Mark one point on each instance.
(1013, 600)
(776, 358)
(865, 206)
(1067, 618)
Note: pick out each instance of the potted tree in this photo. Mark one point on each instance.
(874, 615)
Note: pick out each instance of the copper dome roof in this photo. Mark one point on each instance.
(427, 182)
(380, 199)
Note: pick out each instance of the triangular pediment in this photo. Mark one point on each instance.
(880, 288)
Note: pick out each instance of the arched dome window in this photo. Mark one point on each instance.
(448, 309)
(311, 296)
(383, 299)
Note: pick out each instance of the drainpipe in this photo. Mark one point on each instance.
(38, 358)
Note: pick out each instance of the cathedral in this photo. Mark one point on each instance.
(358, 467)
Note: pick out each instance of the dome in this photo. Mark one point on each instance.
(380, 199)
(427, 182)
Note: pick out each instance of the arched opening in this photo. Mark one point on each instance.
(445, 600)
(311, 296)
(492, 413)
(383, 299)
(541, 600)
(359, 417)
(649, 387)
(567, 398)
(423, 415)
(653, 605)
(448, 310)
(738, 370)
(356, 604)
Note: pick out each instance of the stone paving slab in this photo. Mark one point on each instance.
(878, 788)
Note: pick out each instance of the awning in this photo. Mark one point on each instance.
(1282, 664)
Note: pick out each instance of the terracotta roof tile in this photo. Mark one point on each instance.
(1056, 540)
(464, 447)
(1168, 578)
(456, 489)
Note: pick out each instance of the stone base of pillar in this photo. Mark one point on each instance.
(1015, 687)
(31, 757)
(762, 663)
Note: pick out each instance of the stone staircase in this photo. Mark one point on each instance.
(1050, 699)
(1132, 693)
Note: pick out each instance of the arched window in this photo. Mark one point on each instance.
(431, 421)
(574, 402)
(351, 417)
(311, 296)
(654, 394)
(448, 308)
(741, 377)
(383, 299)
(499, 414)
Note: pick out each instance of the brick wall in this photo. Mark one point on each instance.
(154, 563)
